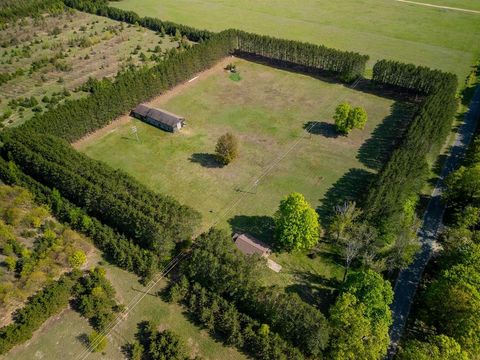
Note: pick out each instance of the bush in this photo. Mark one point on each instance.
(347, 118)
(226, 149)
(96, 341)
(77, 259)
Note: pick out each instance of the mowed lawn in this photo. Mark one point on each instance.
(448, 40)
(267, 110)
(63, 336)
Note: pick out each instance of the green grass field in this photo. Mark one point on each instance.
(62, 336)
(267, 110)
(448, 40)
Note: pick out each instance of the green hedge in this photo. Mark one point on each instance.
(348, 65)
(405, 173)
(49, 301)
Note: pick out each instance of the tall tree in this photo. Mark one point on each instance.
(296, 223)
(341, 118)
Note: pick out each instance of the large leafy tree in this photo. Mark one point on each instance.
(463, 185)
(347, 118)
(453, 301)
(361, 317)
(438, 347)
(341, 118)
(296, 223)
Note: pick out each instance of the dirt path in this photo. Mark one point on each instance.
(439, 6)
(113, 126)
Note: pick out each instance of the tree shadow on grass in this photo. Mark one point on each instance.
(315, 290)
(83, 339)
(260, 227)
(321, 128)
(206, 160)
(352, 186)
(376, 150)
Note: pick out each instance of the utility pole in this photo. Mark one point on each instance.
(135, 131)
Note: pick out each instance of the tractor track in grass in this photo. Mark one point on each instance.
(442, 7)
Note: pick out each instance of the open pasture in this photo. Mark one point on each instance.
(54, 53)
(448, 40)
(268, 110)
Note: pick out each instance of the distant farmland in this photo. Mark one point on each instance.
(436, 38)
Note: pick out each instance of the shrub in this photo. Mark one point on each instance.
(77, 259)
(97, 341)
(226, 149)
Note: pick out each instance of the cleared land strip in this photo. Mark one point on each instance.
(440, 6)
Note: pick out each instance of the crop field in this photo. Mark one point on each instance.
(448, 40)
(50, 57)
(63, 336)
(267, 110)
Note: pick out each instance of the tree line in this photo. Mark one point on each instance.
(13, 9)
(116, 247)
(412, 77)
(49, 301)
(347, 65)
(101, 8)
(218, 266)
(404, 175)
(223, 319)
(153, 221)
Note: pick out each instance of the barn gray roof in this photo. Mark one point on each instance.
(159, 115)
(141, 110)
(164, 116)
(248, 245)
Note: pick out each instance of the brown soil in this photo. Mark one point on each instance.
(160, 98)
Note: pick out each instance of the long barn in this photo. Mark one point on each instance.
(159, 118)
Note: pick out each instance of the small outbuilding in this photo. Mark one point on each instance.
(248, 245)
(159, 118)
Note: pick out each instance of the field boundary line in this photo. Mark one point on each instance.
(439, 6)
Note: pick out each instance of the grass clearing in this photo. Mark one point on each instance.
(58, 52)
(267, 111)
(448, 40)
